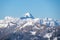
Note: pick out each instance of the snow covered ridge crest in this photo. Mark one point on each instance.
(29, 28)
(28, 19)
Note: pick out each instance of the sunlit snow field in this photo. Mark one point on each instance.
(29, 28)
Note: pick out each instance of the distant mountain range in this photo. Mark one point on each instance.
(29, 28)
(29, 18)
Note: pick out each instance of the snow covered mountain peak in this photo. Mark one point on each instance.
(28, 18)
(28, 26)
(27, 14)
(8, 18)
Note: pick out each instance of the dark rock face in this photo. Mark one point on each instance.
(25, 36)
(21, 35)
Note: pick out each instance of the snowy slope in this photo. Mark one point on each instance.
(42, 27)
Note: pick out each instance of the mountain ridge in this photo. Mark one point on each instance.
(29, 28)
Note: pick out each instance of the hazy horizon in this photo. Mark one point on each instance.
(38, 8)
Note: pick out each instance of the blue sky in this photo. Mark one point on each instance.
(38, 8)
